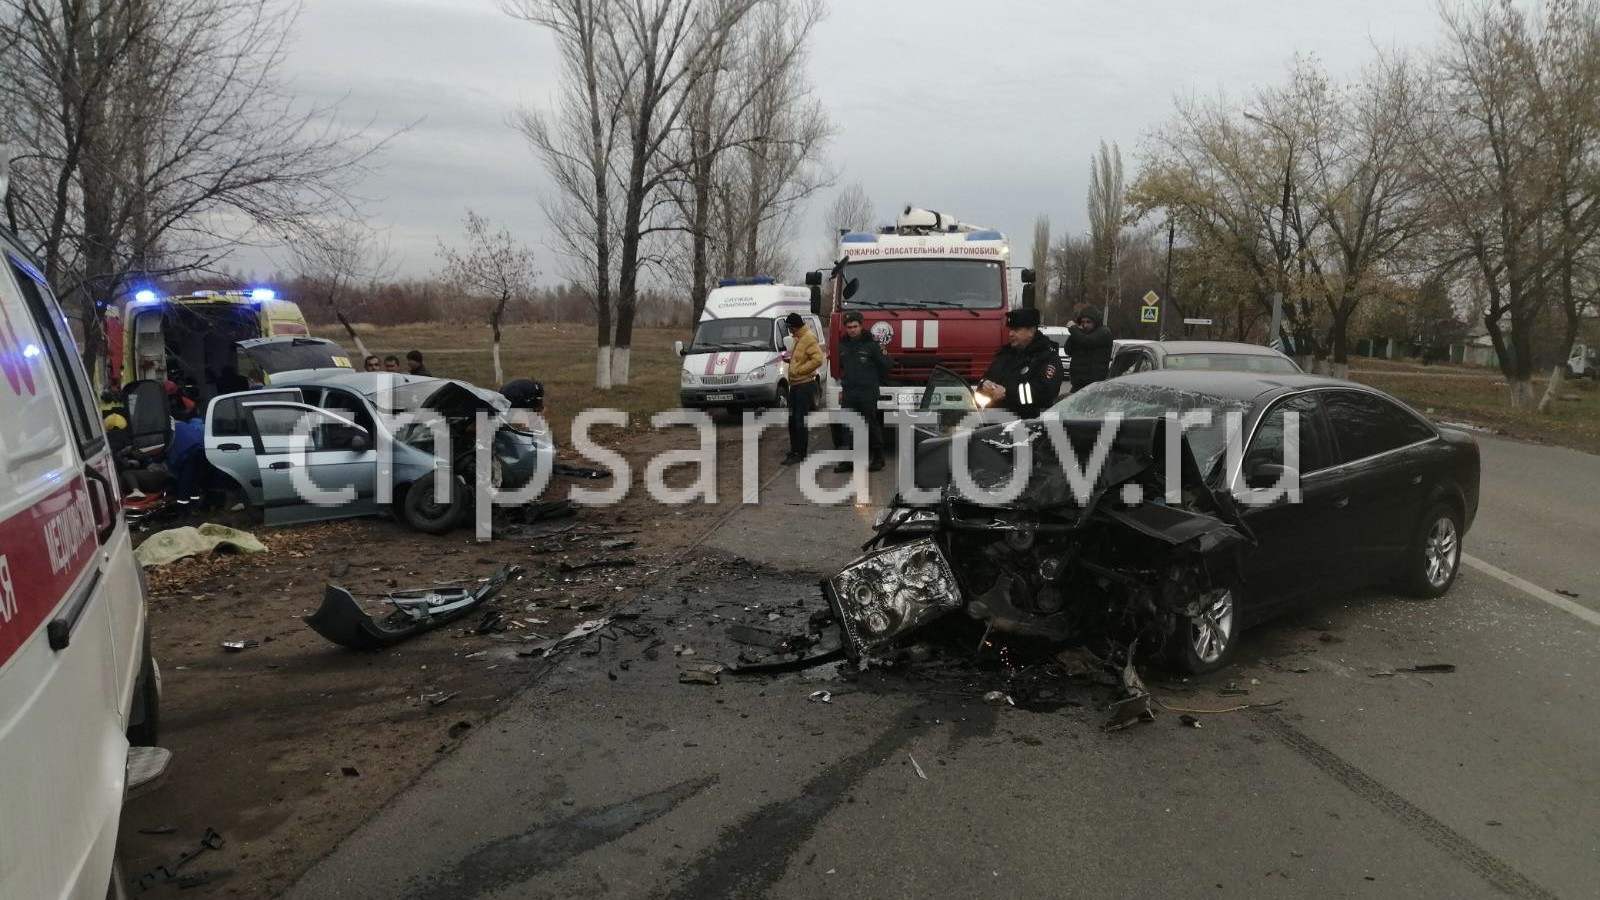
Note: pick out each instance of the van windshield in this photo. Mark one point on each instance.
(715, 335)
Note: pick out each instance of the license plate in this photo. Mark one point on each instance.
(716, 397)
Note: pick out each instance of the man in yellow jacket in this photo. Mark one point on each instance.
(805, 361)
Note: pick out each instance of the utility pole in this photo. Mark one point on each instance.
(1166, 291)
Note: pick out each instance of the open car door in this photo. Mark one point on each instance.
(149, 417)
(310, 464)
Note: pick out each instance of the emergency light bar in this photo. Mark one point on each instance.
(749, 279)
(262, 294)
(144, 296)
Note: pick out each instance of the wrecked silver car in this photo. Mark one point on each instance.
(1122, 524)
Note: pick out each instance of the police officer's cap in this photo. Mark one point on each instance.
(1022, 318)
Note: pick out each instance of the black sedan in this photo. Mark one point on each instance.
(1284, 489)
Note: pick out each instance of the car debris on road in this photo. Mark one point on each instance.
(341, 619)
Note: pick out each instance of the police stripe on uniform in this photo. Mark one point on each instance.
(1025, 393)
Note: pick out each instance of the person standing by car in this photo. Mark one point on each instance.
(1025, 376)
(526, 397)
(391, 363)
(1088, 349)
(865, 368)
(414, 364)
(372, 364)
(804, 361)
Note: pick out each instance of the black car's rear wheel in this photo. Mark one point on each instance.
(1434, 558)
(1206, 642)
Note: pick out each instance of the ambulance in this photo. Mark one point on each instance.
(739, 356)
(79, 692)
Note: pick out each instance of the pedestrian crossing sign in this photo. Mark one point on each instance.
(1149, 314)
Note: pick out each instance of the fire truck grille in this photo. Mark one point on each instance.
(916, 368)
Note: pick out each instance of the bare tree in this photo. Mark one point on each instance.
(1041, 261)
(157, 137)
(850, 210)
(1106, 213)
(493, 267)
(577, 144)
(1358, 183)
(334, 261)
(1482, 145)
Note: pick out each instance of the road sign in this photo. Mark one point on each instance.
(1151, 298)
(1149, 315)
(1197, 321)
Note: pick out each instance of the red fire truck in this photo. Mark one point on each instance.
(931, 289)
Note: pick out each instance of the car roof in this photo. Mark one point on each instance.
(1245, 386)
(1238, 347)
(360, 382)
(301, 339)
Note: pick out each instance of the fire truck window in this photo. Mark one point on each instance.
(82, 406)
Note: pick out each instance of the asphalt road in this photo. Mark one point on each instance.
(612, 779)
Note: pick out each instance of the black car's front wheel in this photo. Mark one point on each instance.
(426, 513)
(1205, 642)
(1434, 558)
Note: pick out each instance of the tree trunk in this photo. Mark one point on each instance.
(361, 347)
(602, 367)
(1553, 392)
(499, 374)
(1521, 393)
(619, 364)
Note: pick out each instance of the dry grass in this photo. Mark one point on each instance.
(1481, 397)
(560, 356)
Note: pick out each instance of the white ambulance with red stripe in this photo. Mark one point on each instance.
(77, 685)
(739, 356)
(933, 291)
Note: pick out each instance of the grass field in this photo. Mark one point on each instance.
(1480, 396)
(560, 356)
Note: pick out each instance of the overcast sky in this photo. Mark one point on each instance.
(988, 110)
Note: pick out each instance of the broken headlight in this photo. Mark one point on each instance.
(888, 593)
(899, 518)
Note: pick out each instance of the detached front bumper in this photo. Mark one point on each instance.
(728, 395)
(889, 593)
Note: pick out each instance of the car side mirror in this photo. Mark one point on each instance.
(677, 347)
(814, 278)
(1027, 296)
(850, 287)
(360, 443)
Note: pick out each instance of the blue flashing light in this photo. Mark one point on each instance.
(988, 234)
(31, 351)
(859, 237)
(145, 296)
(262, 294)
(754, 279)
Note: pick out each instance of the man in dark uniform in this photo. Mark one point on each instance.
(1025, 376)
(864, 368)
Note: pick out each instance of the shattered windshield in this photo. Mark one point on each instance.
(716, 335)
(1208, 439)
(908, 283)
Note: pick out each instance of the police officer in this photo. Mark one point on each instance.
(1025, 376)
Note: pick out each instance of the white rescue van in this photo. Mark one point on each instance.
(739, 356)
(77, 684)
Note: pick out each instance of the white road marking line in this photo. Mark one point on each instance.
(1533, 590)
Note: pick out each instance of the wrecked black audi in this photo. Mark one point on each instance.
(1172, 508)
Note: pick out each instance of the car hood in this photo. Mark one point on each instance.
(728, 362)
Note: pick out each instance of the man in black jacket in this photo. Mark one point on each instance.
(864, 367)
(1025, 376)
(1088, 349)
